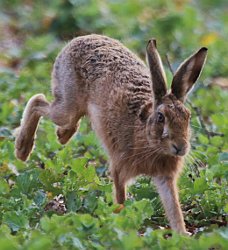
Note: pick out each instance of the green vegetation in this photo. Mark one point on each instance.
(62, 198)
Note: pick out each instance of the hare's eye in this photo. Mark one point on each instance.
(160, 117)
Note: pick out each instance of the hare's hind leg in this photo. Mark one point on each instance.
(167, 190)
(64, 134)
(68, 102)
(36, 107)
(66, 120)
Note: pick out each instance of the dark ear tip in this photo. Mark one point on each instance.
(152, 43)
(203, 49)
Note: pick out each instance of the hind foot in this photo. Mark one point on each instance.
(64, 134)
(23, 146)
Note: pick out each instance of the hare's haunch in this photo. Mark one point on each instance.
(143, 127)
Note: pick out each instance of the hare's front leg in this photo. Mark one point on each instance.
(120, 187)
(167, 190)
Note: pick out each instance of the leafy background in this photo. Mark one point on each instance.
(62, 197)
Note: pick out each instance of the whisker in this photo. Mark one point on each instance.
(145, 157)
(144, 147)
(132, 155)
(203, 144)
(202, 155)
(142, 154)
(195, 161)
(207, 128)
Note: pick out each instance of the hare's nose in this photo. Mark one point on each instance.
(178, 149)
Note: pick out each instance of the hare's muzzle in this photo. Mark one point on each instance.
(179, 149)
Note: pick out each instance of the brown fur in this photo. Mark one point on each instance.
(144, 129)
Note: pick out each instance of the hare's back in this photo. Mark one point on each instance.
(101, 67)
(98, 48)
(97, 57)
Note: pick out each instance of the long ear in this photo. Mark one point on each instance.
(157, 71)
(187, 74)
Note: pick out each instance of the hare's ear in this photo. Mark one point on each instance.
(187, 74)
(157, 71)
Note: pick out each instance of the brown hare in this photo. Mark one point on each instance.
(143, 126)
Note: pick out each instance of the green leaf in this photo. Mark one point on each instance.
(39, 198)
(78, 164)
(223, 156)
(49, 178)
(73, 202)
(200, 185)
(39, 241)
(8, 244)
(4, 186)
(27, 181)
(203, 139)
(16, 220)
(213, 240)
(5, 133)
(69, 239)
(226, 208)
(90, 201)
(216, 140)
(87, 221)
(132, 241)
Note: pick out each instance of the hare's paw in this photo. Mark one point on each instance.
(119, 209)
(23, 146)
(64, 134)
(187, 233)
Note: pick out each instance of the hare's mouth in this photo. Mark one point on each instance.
(178, 149)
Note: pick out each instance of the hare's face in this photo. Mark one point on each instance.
(168, 128)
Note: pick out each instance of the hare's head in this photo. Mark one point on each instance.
(168, 124)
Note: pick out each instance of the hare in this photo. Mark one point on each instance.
(143, 126)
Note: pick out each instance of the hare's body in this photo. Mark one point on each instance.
(98, 77)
